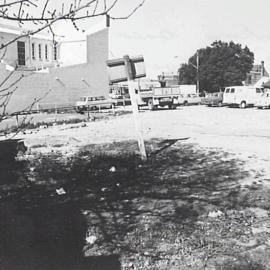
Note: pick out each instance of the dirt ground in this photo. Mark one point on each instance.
(80, 198)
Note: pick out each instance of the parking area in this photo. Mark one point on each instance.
(244, 131)
(241, 130)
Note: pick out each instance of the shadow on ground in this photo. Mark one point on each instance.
(117, 211)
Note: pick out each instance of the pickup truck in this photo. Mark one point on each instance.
(159, 97)
(263, 101)
(93, 103)
(189, 99)
(213, 99)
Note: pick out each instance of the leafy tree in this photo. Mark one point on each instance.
(221, 64)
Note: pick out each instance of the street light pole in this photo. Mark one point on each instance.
(197, 74)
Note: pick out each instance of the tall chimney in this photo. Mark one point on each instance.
(262, 70)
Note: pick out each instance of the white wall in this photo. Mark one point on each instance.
(73, 52)
(41, 62)
(67, 84)
(10, 54)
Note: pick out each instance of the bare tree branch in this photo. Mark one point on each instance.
(17, 2)
(7, 78)
(72, 14)
(11, 85)
(130, 14)
(23, 11)
(44, 9)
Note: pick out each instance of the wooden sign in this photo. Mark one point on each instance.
(117, 69)
(129, 69)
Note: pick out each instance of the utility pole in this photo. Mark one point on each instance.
(197, 73)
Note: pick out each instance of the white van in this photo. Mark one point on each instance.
(241, 96)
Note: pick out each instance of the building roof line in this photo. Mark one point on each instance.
(19, 31)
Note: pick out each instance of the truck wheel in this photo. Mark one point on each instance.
(220, 104)
(243, 105)
(150, 105)
(185, 103)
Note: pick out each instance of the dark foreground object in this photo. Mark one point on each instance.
(9, 150)
(46, 238)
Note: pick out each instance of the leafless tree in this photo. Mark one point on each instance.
(43, 15)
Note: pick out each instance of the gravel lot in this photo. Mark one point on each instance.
(241, 132)
(244, 132)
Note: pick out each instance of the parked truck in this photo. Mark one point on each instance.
(213, 99)
(241, 96)
(189, 99)
(158, 97)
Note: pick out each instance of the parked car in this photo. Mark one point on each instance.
(93, 103)
(263, 101)
(189, 99)
(241, 96)
(213, 99)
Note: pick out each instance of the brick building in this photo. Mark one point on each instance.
(257, 72)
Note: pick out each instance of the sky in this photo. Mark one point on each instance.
(168, 32)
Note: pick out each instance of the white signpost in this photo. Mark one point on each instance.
(129, 69)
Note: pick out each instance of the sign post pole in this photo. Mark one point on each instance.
(129, 69)
(135, 110)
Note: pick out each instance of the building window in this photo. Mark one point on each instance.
(33, 51)
(55, 52)
(39, 51)
(46, 52)
(21, 53)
